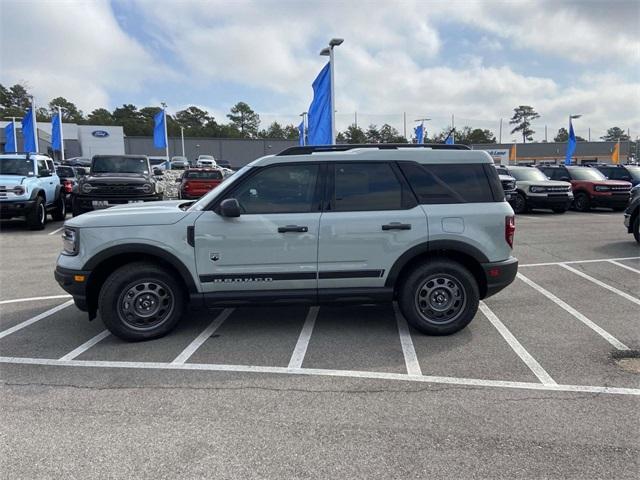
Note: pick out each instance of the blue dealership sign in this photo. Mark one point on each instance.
(100, 133)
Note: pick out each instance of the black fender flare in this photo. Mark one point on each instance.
(37, 191)
(144, 249)
(432, 247)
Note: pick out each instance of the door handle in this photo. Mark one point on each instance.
(396, 226)
(293, 228)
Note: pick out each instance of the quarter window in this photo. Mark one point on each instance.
(279, 189)
(448, 183)
(366, 186)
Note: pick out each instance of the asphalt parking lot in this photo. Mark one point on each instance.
(531, 389)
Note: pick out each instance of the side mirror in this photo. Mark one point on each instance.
(179, 179)
(157, 172)
(230, 208)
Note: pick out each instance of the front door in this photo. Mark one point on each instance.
(273, 244)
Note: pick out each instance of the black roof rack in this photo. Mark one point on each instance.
(306, 150)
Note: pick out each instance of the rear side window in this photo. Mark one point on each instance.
(449, 183)
(365, 187)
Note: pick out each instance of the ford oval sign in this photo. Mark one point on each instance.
(100, 133)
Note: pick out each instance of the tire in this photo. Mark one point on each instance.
(75, 208)
(149, 287)
(582, 202)
(636, 228)
(520, 204)
(559, 210)
(37, 217)
(60, 211)
(447, 282)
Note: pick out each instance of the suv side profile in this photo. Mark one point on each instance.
(590, 187)
(116, 180)
(30, 188)
(426, 225)
(535, 190)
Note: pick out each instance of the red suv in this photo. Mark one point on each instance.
(590, 187)
(195, 182)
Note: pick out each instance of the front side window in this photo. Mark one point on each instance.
(366, 186)
(279, 189)
(42, 166)
(449, 183)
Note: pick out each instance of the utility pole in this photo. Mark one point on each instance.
(589, 134)
(355, 115)
(545, 133)
(500, 134)
(182, 138)
(405, 124)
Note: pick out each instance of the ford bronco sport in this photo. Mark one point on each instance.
(535, 190)
(114, 180)
(426, 225)
(30, 188)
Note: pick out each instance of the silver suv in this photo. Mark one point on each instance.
(426, 225)
(535, 190)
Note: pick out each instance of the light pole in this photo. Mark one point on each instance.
(15, 137)
(182, 138)
(328, 51)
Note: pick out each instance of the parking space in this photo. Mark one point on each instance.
(534, 369)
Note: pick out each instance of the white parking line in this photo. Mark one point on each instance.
(631, 269)
(35, 319)
(303, 340)
(200, 339)
(408, 350)
(517, 347)
(86, 346)
(568, 308)
(471, 382)
(56, 231)
(631, 298)
(548, 264)
(33, 299)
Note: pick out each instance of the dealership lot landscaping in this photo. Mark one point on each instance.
(532, 388)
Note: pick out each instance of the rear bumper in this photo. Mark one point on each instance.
(16, 208)
(499, 275)
(70, 282)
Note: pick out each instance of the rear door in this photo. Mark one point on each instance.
(371, 218)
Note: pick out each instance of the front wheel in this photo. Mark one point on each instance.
(581, 202)
(520, 204)
(141, 301)
(636, 228)
(60, 211)
(37, 216)
(440, 297)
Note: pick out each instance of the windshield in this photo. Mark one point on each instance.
(205, 200)
(119, 165)
(583, 173)
(16, 166)
(528, 175)
(65, 172)
(208, 175)
(156, 161)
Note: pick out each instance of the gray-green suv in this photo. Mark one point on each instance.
(535, 190)
(425, 225)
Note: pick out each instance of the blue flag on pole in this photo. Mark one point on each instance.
(301, 133)
(419, 130)
(571, 145)
(159, 137)
(319, 117)
(9, 145)
(450, 140)
(28, 133)
(56, 141)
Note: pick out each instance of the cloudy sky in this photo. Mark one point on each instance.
(473, 60)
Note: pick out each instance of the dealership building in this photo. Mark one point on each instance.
(89, 140)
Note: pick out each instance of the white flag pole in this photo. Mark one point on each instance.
(15, 136)
(166, 137)
(61, 134)
(35, 123)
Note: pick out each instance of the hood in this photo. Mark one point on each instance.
(11, 180)
(116, 178)
(547, 183)
(611, 183)
(147, 213)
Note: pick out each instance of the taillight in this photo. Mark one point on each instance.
(68, 186)
(509, 229)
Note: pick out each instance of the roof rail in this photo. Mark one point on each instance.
(28, 154)
(306, 150)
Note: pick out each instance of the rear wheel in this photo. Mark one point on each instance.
(75, 208)
(140, 301)
(582, 202)
(60, 211)
(440, 297)
(37, 217)
(636, 228)
(520, 203)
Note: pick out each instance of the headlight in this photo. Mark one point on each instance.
(147, 188)
(18, 190)
(602, 188)
(69, 241)
(535, 189)
(87, 188)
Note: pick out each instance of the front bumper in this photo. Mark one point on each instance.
(75, 283)
(85, 202)
(499, 275)
(550, 201)
(615, 200)
(15, 208)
